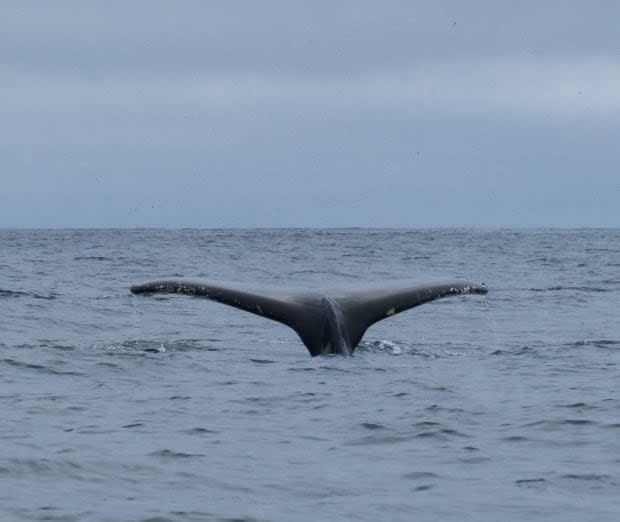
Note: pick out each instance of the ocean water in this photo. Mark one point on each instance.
(152, 408)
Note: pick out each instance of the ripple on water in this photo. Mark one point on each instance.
(579, 406)
(90, 429)
(372, 426)
(441, 433)
(263, 361)
(41, 368)
(593, 479)
(420, 475)
(172, 454)
(199, 431)
(4, 293)
(535, 482)
(24, 467)
(148, 346)
(559, 423)
(385, 436)
(92, 258)
(560, 288)
(515, 438)
(402, 348)
(192, 516)
(597, 343)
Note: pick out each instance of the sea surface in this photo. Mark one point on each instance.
(156, 408)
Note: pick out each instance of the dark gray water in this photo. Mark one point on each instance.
(121, 407)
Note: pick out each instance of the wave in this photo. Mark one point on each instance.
(551, 424)
(530, 482)
(20, 293)
(384, 436)
(142, 346)
(171, 454)
(20, 467)
(560, 288)
(545, 260)
(541, 349)
(41, 368)
(402, 348)
(597, 343)
(92, 258)
(336, 273)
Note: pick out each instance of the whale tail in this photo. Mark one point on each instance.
(326, 324)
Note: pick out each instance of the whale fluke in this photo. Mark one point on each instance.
(329, 322)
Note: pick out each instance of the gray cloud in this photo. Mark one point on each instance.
(328, 113)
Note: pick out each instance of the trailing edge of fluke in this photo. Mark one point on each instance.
(327, 322)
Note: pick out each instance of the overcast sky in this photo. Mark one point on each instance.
(309, 113)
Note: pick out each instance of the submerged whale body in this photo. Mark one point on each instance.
(330, 322)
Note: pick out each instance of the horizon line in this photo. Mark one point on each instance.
(325, 227)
